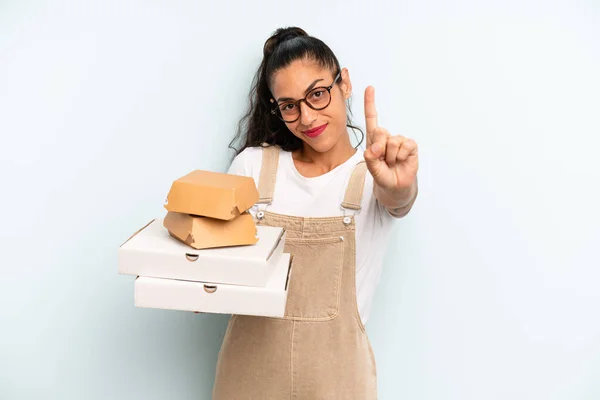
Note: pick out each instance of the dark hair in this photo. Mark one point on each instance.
(259, 125)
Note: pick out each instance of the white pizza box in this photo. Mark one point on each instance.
(171, 294)
(153, 252)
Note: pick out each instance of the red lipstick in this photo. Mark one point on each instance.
(314, 132)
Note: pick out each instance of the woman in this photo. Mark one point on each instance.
(337, 204)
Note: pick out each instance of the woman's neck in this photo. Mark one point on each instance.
(311, 163)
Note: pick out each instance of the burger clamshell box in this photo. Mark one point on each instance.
(204, 232)
(212, 194)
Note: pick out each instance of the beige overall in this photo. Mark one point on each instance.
(319, 350)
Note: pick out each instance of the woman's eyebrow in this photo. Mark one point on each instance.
(310, 87)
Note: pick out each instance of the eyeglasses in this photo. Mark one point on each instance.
(317, 99)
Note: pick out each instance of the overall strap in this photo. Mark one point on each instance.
(354, 191)
(268, 173)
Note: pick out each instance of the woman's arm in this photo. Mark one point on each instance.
(393, 161)
(399, 202)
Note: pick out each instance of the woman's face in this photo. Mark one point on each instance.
(319, 129)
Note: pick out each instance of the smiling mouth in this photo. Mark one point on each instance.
(315, 131)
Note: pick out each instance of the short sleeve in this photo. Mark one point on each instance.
(247, 163)
(238, 166)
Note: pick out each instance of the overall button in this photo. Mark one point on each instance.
(347, 220)
(260, 214)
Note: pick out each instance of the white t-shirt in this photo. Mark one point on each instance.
(322, 196)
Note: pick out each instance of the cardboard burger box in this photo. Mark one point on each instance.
(204, 232)
(153, 252)
(212, 194)
(170, 294)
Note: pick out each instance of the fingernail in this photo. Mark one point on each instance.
(375, 149)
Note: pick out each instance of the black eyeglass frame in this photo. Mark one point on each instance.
(275, 111)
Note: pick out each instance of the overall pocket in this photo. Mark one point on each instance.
(316, 278)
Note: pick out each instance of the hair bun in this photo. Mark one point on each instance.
(281, 35)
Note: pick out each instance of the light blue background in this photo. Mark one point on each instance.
(490, 289)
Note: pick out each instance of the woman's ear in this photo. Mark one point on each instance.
(345, 83)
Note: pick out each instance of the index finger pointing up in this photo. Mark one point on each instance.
(370, 112)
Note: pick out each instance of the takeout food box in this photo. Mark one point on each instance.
(204, 233)
(212, 194)
(153, 252)
(169, 294)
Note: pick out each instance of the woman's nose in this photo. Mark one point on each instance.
(307, 114)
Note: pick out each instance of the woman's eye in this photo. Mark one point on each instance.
(317, 94)
(288, 107)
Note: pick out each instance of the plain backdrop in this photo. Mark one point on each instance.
(490, 288)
